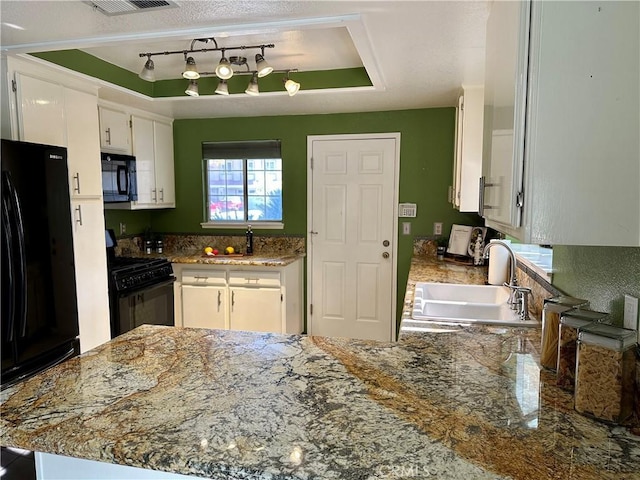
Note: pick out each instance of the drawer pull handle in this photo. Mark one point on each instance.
(219, 300)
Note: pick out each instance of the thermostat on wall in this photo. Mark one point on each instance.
(407, 210)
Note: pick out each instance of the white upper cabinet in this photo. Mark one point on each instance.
(467, 168)
(503, 123)
(153, 149)
(145, 161)
(41, 116)
(165, 177)
(561, 151)
(115, 131)
(85, 176)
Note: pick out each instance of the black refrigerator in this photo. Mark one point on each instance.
(39, 309)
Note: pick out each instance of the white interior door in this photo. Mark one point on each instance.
(352, 241)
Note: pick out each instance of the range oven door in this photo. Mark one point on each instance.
(150, 305)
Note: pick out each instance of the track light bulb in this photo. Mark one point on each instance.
(291, 86)
(191, 70)
(223, 88)
(252, 88)
(148, 72)
(224, 70)
(262, 66)
(192, 89)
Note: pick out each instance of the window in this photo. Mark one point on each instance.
(243, 182)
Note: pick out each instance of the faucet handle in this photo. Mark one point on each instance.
(523, 301)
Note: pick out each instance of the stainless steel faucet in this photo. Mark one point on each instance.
(513, 282)
(518, 296)
(512, 256)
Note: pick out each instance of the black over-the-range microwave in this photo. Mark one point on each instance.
(118, 178)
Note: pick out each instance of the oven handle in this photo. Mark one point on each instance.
(147, 288)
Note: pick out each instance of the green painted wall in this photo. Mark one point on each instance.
(136, 221)
(603, 275)
(426, 153)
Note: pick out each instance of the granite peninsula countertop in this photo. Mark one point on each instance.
(237, 405)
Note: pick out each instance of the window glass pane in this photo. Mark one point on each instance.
(273, 164)
(234, 165)
(273, 210)
(255, 183)
(227, 197)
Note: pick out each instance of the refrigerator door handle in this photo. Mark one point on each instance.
(21, 274)
(7, 256)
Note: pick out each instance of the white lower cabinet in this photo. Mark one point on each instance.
(204, 299)
(260, 299)
(256, 309)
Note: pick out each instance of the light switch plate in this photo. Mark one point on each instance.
(406, 228)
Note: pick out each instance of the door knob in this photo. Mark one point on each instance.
(385, 255)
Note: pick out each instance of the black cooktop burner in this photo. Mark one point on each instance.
(133, 273)
(129, 273)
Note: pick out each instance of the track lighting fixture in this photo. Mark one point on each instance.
(291, 86)
(224, 69)
(262, 66)
(147, 72)
(192, 89)
(190, 70)
(223, 88)
(252, 88)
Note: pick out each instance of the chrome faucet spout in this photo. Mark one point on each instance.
(512, 257)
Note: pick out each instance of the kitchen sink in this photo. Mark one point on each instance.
(455, 304)
(451, 292)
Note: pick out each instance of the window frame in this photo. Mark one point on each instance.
(238, 224)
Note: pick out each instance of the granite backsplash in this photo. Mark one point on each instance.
(185, 244)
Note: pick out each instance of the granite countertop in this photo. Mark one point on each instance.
(197, 257)
(228, 404)
(462, 403)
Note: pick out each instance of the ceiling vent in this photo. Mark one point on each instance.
(121, 7)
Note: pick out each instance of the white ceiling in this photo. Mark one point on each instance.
(417, 53)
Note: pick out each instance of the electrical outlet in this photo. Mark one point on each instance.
(437, 228)
(630, 312)
(406, 228)
(123, 228)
